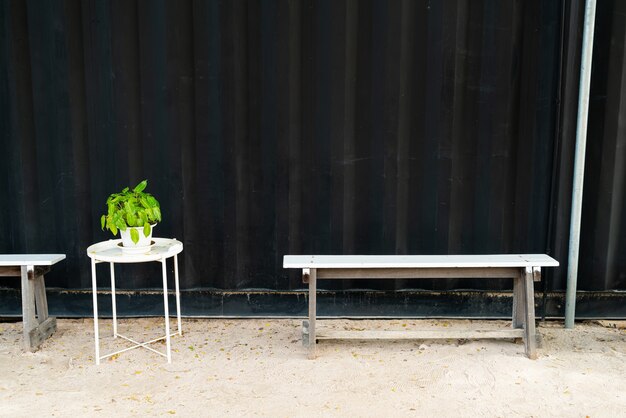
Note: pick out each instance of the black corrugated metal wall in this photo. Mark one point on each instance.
(277, 127)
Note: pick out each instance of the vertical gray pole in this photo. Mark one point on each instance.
(579, 162)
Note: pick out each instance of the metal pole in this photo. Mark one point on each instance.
(579, 162)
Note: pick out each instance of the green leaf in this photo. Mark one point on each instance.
(102, 220)
(125, 190)
(141, 186)
(113, 229)
(120, 223)
(134, 235)
(146, 229)
(157, 213)
(130, 219)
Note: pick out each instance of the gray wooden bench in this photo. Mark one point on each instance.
(31, 267)
(524, 269)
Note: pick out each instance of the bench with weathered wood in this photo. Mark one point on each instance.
(31, 267)
(524, 269)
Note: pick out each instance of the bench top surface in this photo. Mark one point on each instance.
(30, 259)
(418, 261)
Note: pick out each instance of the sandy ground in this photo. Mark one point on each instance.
(259, 368)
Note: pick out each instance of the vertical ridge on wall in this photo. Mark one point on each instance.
(289, 127)
(181, 133)
(573, 14)
(81, 193)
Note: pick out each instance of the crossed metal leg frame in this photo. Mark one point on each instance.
(168, 334)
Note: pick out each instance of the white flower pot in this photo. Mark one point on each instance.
(143, 240)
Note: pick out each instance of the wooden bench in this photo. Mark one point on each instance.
(524, 269)
(31, 267)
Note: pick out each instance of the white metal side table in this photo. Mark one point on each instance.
(111, 252)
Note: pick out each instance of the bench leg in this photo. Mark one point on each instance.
(312, 312)
(37, 325)
(28, 305)
(519, 301)
(530, 337)
(40, 299)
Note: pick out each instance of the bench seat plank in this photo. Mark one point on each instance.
(418, 261)
(13, 260)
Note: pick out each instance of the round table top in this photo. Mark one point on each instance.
(111, 251)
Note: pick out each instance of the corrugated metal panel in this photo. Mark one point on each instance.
(276, 127)
(603, 234)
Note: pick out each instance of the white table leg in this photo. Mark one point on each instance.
(95, 310)
(167, 312)
(113, 300)
(312, 313)
(180, 329)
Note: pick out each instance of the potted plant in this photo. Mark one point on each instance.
(134, 213)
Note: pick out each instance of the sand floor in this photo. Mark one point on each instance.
(245, 368)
